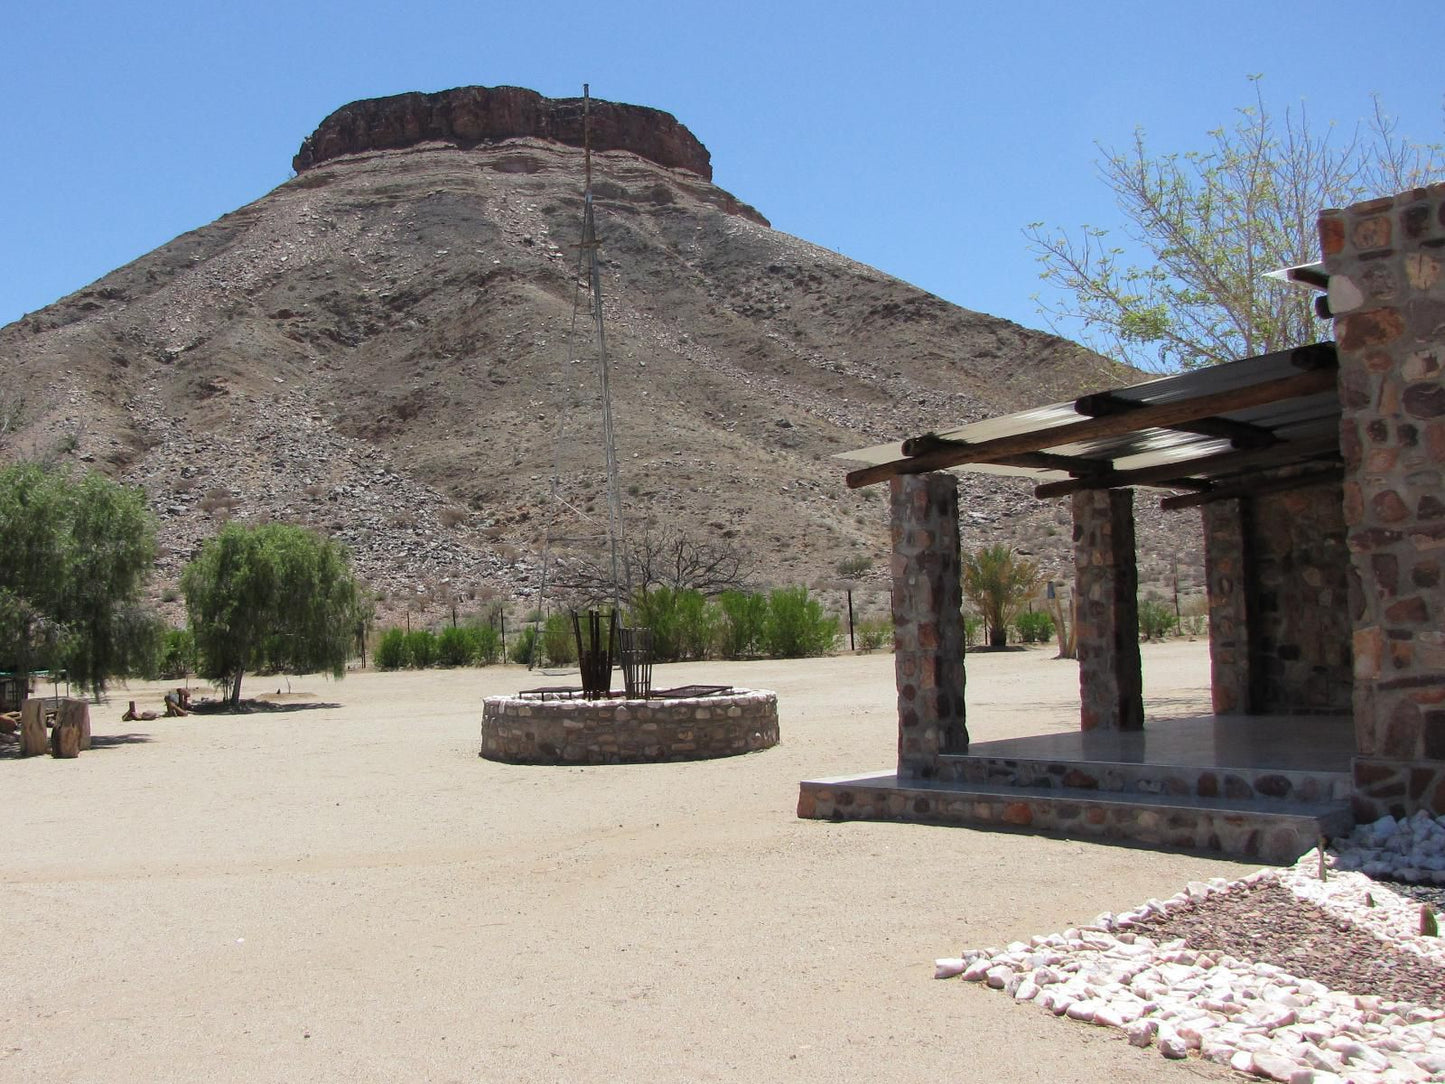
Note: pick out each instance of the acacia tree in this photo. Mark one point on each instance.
(74, 556)
(1206, 226)
(999, 583)
(275, 597)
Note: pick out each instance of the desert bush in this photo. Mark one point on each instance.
(1034, 627)
(696, 625)
(850, 568)
(488, 643)
(972, 630)
(559, 641)
(390, 651)
(421, 649)
(524, 647)
(1156, 619)
(1195, 620)
(457, 646)
(676, 618)
(797, 626)
(178, 654)
(873, 633)
(742, 618)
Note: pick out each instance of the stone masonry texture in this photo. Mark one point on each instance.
(1392, 436)
(1107, 586)
(1279, 633)
(927, 621)
(525, 730)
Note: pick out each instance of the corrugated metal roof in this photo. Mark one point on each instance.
(1308, 420)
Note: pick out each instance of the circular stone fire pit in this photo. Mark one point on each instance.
(528, 729)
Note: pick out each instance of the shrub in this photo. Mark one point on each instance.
(1196, 616)
(873, 633)
(390, 652)
(488, 643)
(421, 649)
(678, 619)
(972, 628)
(850, 568)
(796, 625)
(524, 647)
(559, 641)
(1156, 620)
(178, 654)
(457, 646)
(742, 619)
(1034, 627)
(696, 625)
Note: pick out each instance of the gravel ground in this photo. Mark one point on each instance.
(1269, 924)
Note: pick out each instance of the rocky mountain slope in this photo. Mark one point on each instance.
(386, 347)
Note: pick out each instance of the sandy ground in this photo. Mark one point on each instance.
(347, 892)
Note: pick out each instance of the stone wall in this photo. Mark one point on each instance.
(527, 730)
(1279, 622)
(1300, 618)
(927, 621)
(1226, 569)
(1386, 262)
(1111, 683)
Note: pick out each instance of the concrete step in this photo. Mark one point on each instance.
(1268, 830)
(1145, 779)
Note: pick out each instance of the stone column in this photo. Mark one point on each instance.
(927, 621)
(1226, 570)
(1107, 588)
(1386, 262)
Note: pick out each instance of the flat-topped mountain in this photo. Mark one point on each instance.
(386, 347)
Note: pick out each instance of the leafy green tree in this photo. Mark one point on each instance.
(1206, 226)
(998, 582)
(74, 556)
(274, 597)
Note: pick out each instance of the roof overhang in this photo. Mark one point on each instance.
(1205, 431)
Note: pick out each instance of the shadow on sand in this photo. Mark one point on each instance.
(250, 707)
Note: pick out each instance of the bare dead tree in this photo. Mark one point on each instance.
(662, 557)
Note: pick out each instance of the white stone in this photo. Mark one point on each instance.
(1173, 1047)
(948, 968)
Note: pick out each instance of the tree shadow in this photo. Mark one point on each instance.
(252, 707)
(109, 741)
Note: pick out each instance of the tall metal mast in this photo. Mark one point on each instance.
(621, 573)
(589, 296)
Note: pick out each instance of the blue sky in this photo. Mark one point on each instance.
(918, 137)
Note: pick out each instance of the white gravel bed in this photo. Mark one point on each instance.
(1252, 1016)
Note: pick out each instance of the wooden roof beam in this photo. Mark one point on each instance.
(1251, 489)
(1240, 434)
(1155, 416)
(1179, 474)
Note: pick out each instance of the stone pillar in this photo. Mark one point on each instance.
(1386, 262)
(1107, 588)
(1226, 571)
(927, 621)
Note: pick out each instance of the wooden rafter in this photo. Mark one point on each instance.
(1305, 480)
(1240, 434)
(1154, 416)
(1180, 475)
